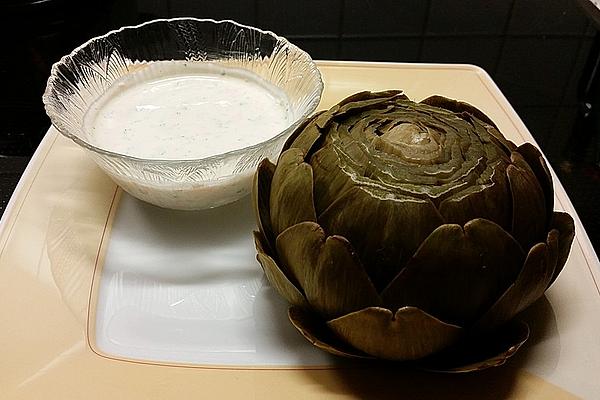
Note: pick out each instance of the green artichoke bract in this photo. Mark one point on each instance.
(409, 231)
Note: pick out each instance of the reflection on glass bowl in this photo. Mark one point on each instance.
(81, 79)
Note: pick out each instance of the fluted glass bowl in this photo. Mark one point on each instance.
(81, 77)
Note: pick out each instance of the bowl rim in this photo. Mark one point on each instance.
(54, 75)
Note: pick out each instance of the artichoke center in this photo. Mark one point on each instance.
(407, 133)
(411, 142)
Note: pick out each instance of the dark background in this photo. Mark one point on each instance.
(541, 53)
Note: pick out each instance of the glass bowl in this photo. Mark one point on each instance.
(80, 78)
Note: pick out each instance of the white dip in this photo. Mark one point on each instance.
(179, 110)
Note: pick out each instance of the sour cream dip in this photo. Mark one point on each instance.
(177, 114)
(176, 110)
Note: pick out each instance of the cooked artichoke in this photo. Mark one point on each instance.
(408, 231)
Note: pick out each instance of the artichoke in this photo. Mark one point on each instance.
(409, 231)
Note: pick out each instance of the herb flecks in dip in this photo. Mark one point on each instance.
(180, 110)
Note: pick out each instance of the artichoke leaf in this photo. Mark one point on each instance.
(408, 334)
(457, 107)
(367, 95)
(339, 284)
(376, 227)
(363, 126)
(538, 165)
(481, 352)
(260, 201)
(460, 107)
(298, 249)
(565, 226)
(494, 136)
(291, 198)
(365, 101)
(319, 335)
(530, 284)
(305, 136)
(330, 181)
(490, 201)
(276, 277)
(457, 274)
(261, 243)
(500, 140)
(529, 206)
(327, 269)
